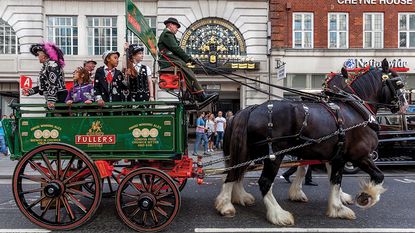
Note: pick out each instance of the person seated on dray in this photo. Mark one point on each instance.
(171, 54)
(51, 76)
(82, 91)
(138, 75)
(109, 83)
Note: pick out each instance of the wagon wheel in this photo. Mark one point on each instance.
(180, 183)
(147, 199)
(109, 185)
(47, 186)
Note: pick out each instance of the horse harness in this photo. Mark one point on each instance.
(334, 110)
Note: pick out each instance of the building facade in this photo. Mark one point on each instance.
(85, 29)
(316, 37)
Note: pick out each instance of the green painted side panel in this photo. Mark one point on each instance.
(147, 133)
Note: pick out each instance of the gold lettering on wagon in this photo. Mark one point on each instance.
(145, 134)
(43, 133)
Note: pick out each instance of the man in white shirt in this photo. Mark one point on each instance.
(220, 126)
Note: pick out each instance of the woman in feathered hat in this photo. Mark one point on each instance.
(51, 82)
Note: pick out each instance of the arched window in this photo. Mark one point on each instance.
(8, 39)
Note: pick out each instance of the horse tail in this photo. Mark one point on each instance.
(237, 146)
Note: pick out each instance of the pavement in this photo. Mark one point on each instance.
(6, 167)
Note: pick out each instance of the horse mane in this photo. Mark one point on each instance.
(364, 84)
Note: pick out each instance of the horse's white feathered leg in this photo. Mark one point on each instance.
(223, 201)
(336, 209)
(240, 196)
(295, 193)
(346, 198)
(275, 214)
(370, 193)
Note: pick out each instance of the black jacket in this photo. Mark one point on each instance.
(113, 92)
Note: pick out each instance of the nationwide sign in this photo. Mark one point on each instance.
(396, 64)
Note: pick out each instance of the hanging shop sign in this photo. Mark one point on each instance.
(217, 43)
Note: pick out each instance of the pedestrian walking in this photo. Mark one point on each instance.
(201, 135)
(210, 125)
(308, 176)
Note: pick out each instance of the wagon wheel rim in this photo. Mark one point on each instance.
(46, 187)
(147, 200)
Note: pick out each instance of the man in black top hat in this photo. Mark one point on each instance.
(171, 54)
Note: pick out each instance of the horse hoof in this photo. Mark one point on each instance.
(363, 200)
(341, 212)
(280, 218)
(245, 199)
(228, 211)
(346, 199)
(297, 195)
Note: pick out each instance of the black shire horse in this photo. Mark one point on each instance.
(309, 120)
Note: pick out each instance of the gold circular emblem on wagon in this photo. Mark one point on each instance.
(38, 133)
(46, 133)
(54, 133)
(154, 132)
(145, 132)
(136, 133)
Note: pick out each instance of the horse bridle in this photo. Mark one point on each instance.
(394, 85)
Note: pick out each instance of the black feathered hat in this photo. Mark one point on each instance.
(133, 49)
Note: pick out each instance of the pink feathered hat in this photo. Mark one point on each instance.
(53, 52)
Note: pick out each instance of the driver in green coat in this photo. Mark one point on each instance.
(171, 54)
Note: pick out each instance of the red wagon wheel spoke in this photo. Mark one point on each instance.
(58, 164)
(156, 203)
(74, 175)
(33, 178)
(67, 207)
(62, 204)
(67, 167)
(84, 194)
(58, 210)
(36, 202)
(31, 191)
(47, 207)
(47, 162)
(39, 169)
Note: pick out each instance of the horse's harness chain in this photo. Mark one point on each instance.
(273, 155)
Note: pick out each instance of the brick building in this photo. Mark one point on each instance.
(319, 36)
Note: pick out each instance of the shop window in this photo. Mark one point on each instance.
(410, 82)
(302, 30)
(373, 30)
(338, 30)
(317, 81)
(298, 81)
(102, 34)
(406, 30)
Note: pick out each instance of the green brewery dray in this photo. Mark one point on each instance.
(68, 160)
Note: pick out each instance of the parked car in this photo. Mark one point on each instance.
(396, 140)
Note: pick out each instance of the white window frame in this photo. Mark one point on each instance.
(407, 31)
(7, 47)
(133, 39)
(55, 27)
(92, 35)
(338, 31)
(302, 30)
(373, 31)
